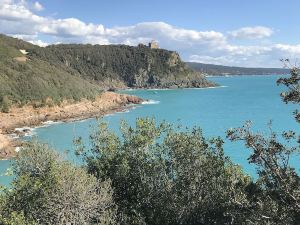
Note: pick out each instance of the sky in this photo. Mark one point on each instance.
(249, 33)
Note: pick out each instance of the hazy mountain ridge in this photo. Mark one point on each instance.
(212, 69)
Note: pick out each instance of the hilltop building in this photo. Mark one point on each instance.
(153, 45)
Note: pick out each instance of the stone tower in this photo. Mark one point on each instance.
(153, 44)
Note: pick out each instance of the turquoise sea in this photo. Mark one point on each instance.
(240, 98)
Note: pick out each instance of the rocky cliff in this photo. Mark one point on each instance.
(121, 65)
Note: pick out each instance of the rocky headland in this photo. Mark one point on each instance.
(28, 116)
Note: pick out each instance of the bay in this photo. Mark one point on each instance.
(238, 99)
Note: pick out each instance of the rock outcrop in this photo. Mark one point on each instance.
(29, 116)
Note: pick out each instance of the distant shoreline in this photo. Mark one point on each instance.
(220, 70)
(170, 89)
(19, 121)
(240, 75)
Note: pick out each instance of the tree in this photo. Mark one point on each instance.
(15, 218)
(280, 201)
(5, 103)
(48, 190)
(163, 176)
(292, 95)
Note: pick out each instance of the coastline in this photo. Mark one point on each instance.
(19, 120)
(241, 75)
(170, 89)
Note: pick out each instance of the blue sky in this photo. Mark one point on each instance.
(240, 33)
(221, 15)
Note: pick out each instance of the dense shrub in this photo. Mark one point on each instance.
(5, 102)
(163, 176)
(48, 190)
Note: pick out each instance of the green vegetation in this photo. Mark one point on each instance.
(34, 80)
(163, 176)
(133, 66)
(292, 95)
(159, 174)
(5, 103)
(74, 72)
(48, 190)
(211, 69)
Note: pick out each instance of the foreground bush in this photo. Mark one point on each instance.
(273, 155)
(48, 190)
(162, 176)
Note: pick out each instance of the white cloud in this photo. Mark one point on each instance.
(33, 39)
(38, 6)
(11, 11)
(71, 27)
(219, 60)
(2, 2)
(18, 20)
(257, 32)
(39, 43)
(289, 49)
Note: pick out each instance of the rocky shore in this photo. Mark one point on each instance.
(28, 116)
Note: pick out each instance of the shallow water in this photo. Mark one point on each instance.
(215, 110)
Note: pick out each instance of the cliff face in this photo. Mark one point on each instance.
(137, 67)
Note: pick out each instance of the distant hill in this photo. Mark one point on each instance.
(29, 73)
(137, 67)
(211, 69)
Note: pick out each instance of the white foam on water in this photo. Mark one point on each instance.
(124, 111)
(213, 87)
(150, 102)
(30, 133)
(27, 131)
(22, 129)
(47, 124)
(130, 89)
(134, 107)
(50, 122)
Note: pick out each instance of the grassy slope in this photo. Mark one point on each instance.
(35, 79)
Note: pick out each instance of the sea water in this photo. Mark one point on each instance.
(238, 99)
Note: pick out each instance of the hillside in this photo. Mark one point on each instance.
(136, 67)
(31, 74)
(211, 69)
(25, 79)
